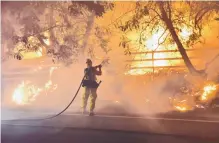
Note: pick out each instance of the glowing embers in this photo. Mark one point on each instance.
(50, 86)
(209, 93)
(136, 72)
(181, 108)
(181, 105)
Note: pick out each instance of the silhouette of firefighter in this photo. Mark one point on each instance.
(90, 86)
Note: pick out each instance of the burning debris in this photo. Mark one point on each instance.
(207, 94)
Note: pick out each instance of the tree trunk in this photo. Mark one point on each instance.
(180, 47)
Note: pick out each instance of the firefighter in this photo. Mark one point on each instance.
(90, 88)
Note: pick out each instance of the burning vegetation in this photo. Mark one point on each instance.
(157, 36)
(26, 92)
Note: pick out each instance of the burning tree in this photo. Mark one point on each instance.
(177, 24)
(169, 25)
(59, 29)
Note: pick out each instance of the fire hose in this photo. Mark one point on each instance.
(56, 115)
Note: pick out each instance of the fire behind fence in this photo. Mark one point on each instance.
(154, 62)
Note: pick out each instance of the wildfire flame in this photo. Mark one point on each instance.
(180, 105)
(152, 44)
(181, 108)
(27, 92)
(208, 93)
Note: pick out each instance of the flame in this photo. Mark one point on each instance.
(27, 92)
(51, 70)
(180, 105)
(181, 108)
(185, 33)
(209, 92)
(49, 85)
(152, 44)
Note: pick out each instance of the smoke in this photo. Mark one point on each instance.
(117, 94)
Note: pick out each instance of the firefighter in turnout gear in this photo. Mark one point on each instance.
(90, 86)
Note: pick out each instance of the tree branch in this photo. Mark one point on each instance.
(156, 12)
(121, 17)
(200, 14)
(160, 38)
(162, 34)
(55, 26)
(148, 23)
(180, 47)
(211, 61)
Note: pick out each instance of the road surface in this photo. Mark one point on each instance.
(109, 128)
(26, 134)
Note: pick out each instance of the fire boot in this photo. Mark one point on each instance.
(91, 113)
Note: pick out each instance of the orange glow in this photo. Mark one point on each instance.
(181, 108)
(209, 92)
(32, 55)
(185, 33)
(26, 92)
(152, 44)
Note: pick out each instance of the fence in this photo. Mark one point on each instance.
(153, 59)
